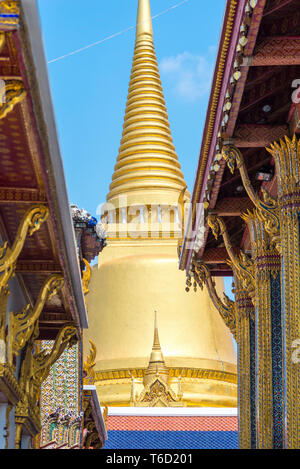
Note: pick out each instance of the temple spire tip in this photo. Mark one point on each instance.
(144, 20)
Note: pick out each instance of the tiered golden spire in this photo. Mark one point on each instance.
(157, 366)
(147, 157)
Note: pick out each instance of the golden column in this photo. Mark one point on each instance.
(267, 262)
(246, 366)
(138, 270)
(245, 334)
(287, 160)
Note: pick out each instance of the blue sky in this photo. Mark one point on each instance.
(89, 89)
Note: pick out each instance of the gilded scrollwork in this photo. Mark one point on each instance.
(226, 307)
(86, 277)
(23, 324)
(267, 207)
(36, 366)
(242, 264)
(34, 370)
(89, 364)
(14, 93)
(30, 223)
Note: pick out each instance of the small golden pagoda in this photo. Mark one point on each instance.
(138, 271)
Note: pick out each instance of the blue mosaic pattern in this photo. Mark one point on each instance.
(252, 383)
(171, 440)
(276, 325)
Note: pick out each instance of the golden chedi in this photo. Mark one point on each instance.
(138, 271)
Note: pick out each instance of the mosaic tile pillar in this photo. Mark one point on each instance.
(268, 336)
(61, 398)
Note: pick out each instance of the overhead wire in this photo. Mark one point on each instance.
(82, 49)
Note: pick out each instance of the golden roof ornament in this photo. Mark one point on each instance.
(156, 392)
(157, 366)
(144, 21)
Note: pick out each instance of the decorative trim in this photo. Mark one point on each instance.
(9, 13)
(197, 373)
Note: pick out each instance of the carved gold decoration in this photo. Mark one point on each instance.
(92, 437)
(244, 311)
(86, 277)
(18, 435)
(243, 264)
(7, 424)
(286, 154)
(89, 364)
(2, 42)
(28, 417)
(30, 223)
(267, 263)
(34, 370)
(157, 393)
(10, 7)
(226, 308)
(156, 366)
(9, 14)
(14, 93)
(9, 386)
(245, 299)
(268, 208)
(197, 373)
(22, 324)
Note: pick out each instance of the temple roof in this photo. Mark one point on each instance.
(31, 171)
(251, 105)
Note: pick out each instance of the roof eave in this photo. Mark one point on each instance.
(63, 224)
(233, 18)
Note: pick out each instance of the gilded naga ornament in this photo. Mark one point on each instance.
(268, 208)
(30, 223)
(226, 307)
(86, 278)
(36, 366)
(242, 264)
(13, 93)
(89, 364)
(22, 325)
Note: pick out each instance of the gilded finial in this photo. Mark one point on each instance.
(144, 20)
(157, 366)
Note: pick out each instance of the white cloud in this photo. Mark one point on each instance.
(189, 75)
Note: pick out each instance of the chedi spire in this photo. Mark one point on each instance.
(147, 159)
(157, 366)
